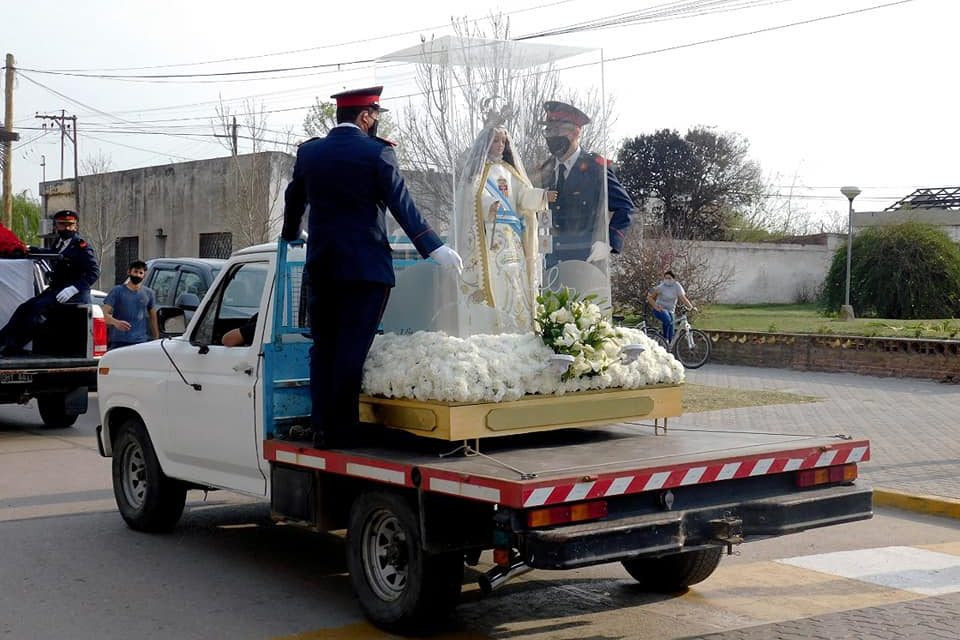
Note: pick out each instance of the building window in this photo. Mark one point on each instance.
(216, 245)
(125, 251)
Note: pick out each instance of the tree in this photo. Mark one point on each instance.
(437, 127)
(905, 271)
(26, 218)
(101, 220)
(323, 116)
(255, 181)
(701, 180)
(641, 264)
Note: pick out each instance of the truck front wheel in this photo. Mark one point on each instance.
(148, 500)
(674, 572)
(399, 585)
(53, 411)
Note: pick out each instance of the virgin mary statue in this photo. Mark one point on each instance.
(497, 237)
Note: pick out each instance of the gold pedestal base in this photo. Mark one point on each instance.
(454, 421)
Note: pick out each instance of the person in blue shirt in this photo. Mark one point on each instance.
(74, 271)
(130, 310)
(349, 178)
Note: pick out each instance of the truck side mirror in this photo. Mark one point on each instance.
(172, 320)
(188, 301)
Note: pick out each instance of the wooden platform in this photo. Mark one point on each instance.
(454, 421)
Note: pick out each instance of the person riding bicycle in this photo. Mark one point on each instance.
(663, 298)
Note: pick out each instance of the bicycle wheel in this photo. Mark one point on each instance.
(657, 337)
(692, 348)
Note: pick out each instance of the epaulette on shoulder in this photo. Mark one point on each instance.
(389, 143)
(83, 244)
(603, 162)
(308, 140)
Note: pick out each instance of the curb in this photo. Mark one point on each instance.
(918, 503)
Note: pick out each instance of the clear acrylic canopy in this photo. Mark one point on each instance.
(468, 115)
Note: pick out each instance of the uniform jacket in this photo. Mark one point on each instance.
(76, 266)
(575, 210)
(349, 179)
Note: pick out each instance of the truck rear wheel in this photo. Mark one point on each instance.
(399, 585)
(148, 500)
(674, 572)
(53, 411)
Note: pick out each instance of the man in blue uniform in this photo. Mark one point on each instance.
(75, 270)
(578, 177)
(349, 178)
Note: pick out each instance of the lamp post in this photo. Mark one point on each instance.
(846, 311)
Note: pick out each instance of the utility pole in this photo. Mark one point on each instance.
(68, 131)
(232, 136)
(7, 138)
(43, 167)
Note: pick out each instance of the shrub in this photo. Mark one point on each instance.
(906, 271)
(641, 264)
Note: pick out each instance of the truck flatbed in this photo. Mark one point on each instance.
(574, 464)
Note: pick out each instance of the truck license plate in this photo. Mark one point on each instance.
(15, 377)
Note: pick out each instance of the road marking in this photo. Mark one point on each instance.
(928, 573)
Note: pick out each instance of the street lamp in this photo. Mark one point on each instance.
(846, 311)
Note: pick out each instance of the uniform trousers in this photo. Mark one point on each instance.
(24, 321)
(344, 317)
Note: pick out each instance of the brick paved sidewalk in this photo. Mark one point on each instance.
(926, 619)
(913, 425)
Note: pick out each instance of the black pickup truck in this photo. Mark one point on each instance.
(61, 367)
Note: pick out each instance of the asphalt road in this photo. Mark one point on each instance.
(69, 568)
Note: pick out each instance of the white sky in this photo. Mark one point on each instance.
(864, 99)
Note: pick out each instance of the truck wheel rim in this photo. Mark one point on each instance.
(385, 555)
(134, 475)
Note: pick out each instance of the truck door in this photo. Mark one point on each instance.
(219, 443)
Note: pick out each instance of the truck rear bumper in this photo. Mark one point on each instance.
(668, 532)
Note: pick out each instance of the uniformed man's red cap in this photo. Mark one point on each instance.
(563, 112)
(66, 215)
(368, 97)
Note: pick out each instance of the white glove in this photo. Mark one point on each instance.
(447, 257)
(67, 293)
(599, 251)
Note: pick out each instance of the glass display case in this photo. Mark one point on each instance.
(502, 145)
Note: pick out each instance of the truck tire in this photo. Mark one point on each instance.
(400, 587)
(148, 500)
(674, 572)
(53, 411)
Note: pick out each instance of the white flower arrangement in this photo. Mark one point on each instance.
(576, 327)
(495, 368)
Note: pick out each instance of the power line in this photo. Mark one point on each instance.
(317, 48)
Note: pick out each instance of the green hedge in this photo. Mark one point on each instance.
(906, 271)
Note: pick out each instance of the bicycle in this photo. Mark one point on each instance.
(690, 346)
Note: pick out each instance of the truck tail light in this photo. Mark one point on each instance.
(567, 513)
(827, 475)
(99, 336)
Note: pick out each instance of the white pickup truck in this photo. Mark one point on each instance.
(185, 412)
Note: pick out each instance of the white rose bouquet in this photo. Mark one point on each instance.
(576, 327)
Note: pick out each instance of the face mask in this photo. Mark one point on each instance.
(66, 234)
(558, 145)
(372, 131)
(136, 279)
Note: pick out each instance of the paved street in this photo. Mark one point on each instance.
(71, 568)
(913, 425)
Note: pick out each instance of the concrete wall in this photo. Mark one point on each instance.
(167, 207)
(764, 272)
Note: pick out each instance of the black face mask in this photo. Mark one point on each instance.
(66, 234)
(372, 131)
(558, 145)
(136, 279)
